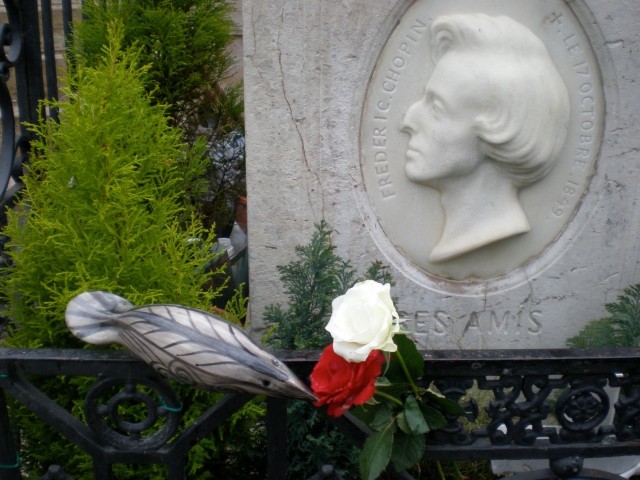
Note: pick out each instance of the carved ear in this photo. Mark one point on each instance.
(442, 40)
(493, 122)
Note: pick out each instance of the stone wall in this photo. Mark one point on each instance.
(327, 88)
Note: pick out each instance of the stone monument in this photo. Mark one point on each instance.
(486, 150)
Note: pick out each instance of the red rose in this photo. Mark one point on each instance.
(340, 384)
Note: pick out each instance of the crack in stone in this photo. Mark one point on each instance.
(251, 56)
(303, 146)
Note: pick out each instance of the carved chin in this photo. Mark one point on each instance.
(414, 173)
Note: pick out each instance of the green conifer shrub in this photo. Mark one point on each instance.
(311, 282)
(184, 42)
(620, 329)
(103, 209)
(186, 45)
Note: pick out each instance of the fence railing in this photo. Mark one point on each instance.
(28, 74)
(559, 405)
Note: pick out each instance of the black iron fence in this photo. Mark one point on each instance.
(28, 74)
(560, 405)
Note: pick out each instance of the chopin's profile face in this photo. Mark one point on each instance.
(481, 116)
(443, 142)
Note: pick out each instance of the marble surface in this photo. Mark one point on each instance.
(332, 91)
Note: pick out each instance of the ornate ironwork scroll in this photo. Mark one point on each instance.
(560, 405)
(158, 412)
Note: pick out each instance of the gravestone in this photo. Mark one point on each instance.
(486, 150)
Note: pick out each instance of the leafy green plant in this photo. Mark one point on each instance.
(102, 206)
(103, 209)
(401, 414)
(620, 329)
(311, 282)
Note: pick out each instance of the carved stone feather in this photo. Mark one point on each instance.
(189, 345)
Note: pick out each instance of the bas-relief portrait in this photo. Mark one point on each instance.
(492, 119)
(482, 133)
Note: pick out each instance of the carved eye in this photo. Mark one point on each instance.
(275, 363)
(266, 383)
(434, 102)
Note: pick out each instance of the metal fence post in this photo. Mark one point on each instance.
(276, 438)
(9, 457)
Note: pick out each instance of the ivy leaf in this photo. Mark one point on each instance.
(414, 417)
(376, 453)
(434, 418)
(407, 450)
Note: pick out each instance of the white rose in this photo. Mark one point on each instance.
(363, 319)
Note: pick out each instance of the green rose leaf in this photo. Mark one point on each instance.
(434, 418)
(407, 450)
(376, 453)
(383, 382)
(365, 413)
(397, 389)
(412, 359)
(450, 407)
(414, 417)
(382, 417)
(401, 420)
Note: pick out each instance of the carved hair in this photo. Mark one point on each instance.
(525, 123)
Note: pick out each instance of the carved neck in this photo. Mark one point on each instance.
(480, 208)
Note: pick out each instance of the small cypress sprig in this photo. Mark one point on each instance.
(620, 329)
(311, 281)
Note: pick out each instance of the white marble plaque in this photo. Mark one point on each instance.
(395, 124)
(480, 134)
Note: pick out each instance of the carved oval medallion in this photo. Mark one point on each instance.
(480, 134)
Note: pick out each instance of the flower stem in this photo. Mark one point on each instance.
(388, 397)
(414, 387)
(440, 471)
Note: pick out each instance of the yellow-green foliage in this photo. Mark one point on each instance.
(102, 207)
(620, 329)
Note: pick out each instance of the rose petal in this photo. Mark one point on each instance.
(352, 384)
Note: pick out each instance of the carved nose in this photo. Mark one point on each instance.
(407, 124)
